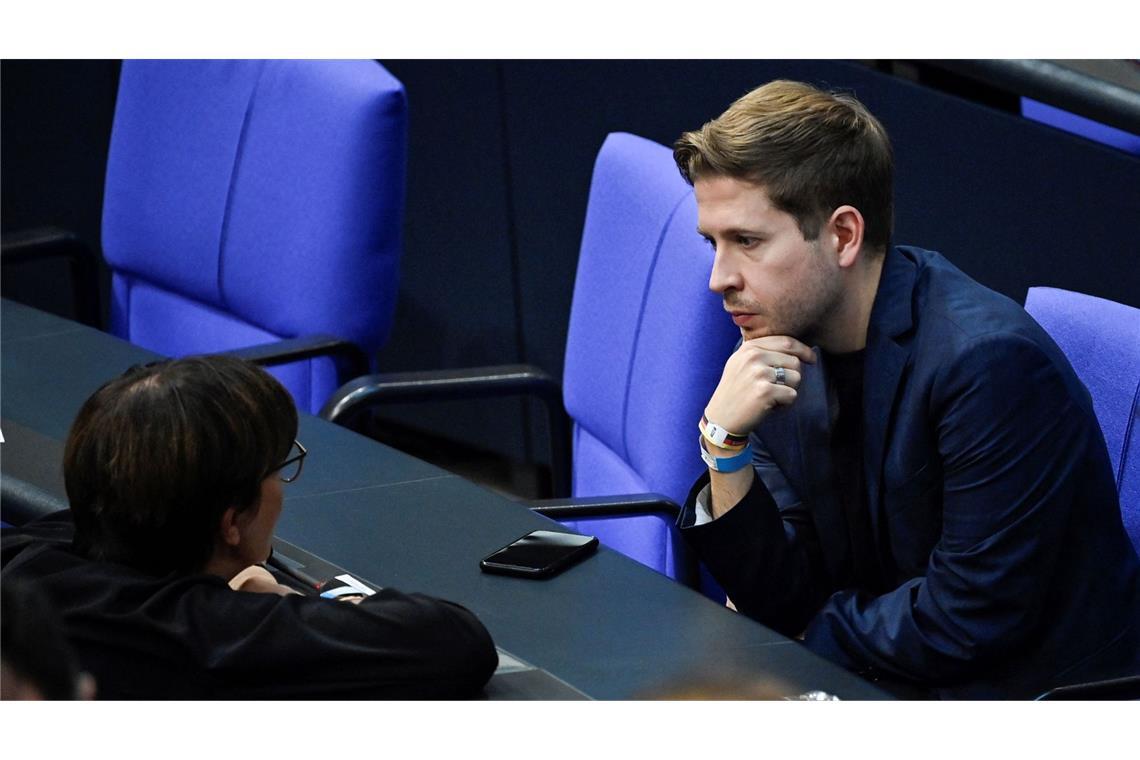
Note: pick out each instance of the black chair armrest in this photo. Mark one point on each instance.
(37, 243)
(353, 360)
(366, 393)
(606, 506)
(40, 243)
(625, 505)
(432, 385)
(1127, 687)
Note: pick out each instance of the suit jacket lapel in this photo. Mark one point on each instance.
(807, 423)
(888, 351)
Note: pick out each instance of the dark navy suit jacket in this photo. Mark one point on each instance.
(993, 506)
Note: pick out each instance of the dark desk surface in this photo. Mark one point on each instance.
(610, 627)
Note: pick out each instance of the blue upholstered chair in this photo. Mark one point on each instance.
(1101, 338)
(646, 346)
(250, 202)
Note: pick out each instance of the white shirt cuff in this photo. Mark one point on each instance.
(701, 513)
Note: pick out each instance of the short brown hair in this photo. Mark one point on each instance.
(156, 456)
(812, 151)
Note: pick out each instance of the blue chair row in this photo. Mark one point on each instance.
(255, 207)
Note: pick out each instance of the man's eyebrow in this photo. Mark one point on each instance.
(732, 231)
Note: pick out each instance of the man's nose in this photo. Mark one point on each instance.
(724, 276)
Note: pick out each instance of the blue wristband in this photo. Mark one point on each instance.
(737, 461)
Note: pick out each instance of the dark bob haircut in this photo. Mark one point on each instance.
(156, 456)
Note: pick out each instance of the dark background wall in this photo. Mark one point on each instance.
(499, 170)
(55, 125)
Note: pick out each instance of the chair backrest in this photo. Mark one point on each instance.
(1101, 338)
(251, 201)
(647, 340)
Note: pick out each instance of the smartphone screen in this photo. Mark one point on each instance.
(540, 554)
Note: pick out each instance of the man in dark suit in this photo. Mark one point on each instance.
(904, 470)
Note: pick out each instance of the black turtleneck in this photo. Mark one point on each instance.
(845, 403)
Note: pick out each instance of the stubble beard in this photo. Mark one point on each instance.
(806, 310)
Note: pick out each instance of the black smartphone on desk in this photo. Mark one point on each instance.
(540, 554)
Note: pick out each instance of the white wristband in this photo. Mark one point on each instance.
(726, 464)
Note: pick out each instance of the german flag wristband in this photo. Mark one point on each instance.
(718, 436)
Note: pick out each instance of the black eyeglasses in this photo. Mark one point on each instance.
(290, 469)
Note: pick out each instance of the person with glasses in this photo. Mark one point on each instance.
(175, 475)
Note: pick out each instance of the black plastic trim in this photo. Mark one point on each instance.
(1056, 85)
(367, 392)
(606, 506)
(1127, 687)
(306, 347)
(623, 505)
(40, 243)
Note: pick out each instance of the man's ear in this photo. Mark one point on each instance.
(229, 530)
(846, 226)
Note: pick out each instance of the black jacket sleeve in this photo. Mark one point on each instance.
(390, 645)
(751, 546)
(192, 637)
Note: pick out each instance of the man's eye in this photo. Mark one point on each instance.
(746, 241)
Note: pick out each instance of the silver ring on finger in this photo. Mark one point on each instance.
(781, 375)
